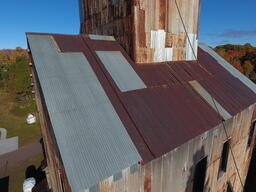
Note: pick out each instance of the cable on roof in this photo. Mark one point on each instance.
(222, 122)
(232, 153)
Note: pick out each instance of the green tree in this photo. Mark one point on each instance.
(248, 67)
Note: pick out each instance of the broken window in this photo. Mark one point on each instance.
(199, 176)
(251, 133)
(224, 157)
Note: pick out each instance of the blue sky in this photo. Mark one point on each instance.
(221, 21)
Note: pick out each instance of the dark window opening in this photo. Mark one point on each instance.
(229, 187)
(199, 176)
(251, 133)
(224, 156)
(4, 184)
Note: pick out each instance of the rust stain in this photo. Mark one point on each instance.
(130, 21)
(147, 179)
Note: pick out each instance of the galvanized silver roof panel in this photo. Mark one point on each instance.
(101, 37)
(210, 100)
(229, 67)
(92, 140)
(120, 70)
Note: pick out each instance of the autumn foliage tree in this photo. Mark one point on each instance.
(242, 57)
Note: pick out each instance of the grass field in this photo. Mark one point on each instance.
(13, 118)
(16, 102)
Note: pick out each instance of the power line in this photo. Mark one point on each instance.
(184, 26)
(232, 153)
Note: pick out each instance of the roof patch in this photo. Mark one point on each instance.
(210, 100)
(101, 37)
(120, 70)
(92, 140)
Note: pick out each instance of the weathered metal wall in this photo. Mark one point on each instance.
(109, 17)
(175, 170)
(159, 31)
(150, 31)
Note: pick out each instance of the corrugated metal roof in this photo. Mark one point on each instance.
(92, 140)
(210, 100)
(229, 67)
(168, 112)
(120, 70)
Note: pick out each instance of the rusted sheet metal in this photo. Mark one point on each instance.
(166, 103)
(175, 170)
(150, 31)
(179, 112)
(179, 115)
(83, 45)
(168, 114)
(109, 17)
(229, 91)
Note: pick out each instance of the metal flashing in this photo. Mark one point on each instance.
(101, 37)
(210, 100)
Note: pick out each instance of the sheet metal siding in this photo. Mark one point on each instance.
(175, 170)
(120, 70)
(229, 67)
(92, 140)
(150, 31)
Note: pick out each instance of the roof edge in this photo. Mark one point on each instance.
(229, 67)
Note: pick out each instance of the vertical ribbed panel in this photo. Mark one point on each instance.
(229, 67)
(120, 70)
(92, 140)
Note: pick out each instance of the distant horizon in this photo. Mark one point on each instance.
(199, 42)
(232, 23)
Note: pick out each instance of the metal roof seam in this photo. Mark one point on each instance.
(133, 110)
(97, 59)
(80, 117)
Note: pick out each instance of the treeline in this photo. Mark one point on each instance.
(242, 57)
(8, 56)
(15, 74)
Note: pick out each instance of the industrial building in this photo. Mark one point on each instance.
(135, 104)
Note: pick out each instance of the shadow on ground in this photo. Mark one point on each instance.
(38, 173)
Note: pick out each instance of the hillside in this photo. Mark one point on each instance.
(242, 57)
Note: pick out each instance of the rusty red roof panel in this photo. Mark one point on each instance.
(169, 116)
(168, 112)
